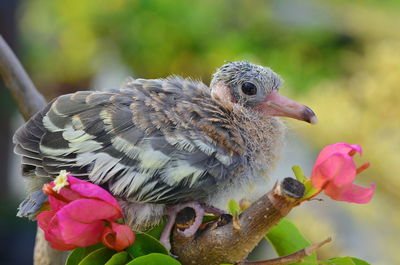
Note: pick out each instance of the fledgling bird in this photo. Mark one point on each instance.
(162, 144)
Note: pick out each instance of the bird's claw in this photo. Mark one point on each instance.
(187, 221)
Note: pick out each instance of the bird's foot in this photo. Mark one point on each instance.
(213, 210)
(188, 218)
(164, 239)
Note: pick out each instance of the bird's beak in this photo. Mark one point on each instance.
(277, 105)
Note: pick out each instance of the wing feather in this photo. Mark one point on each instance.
(161, 141)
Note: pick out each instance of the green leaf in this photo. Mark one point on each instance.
(98, 257)
(287, 239)
(340, 261)
(234, 208)
(310, 190)
(208, 218)
(298, 173)
(359, 261)
(75, 256)
(119, 258)
(157, 230)
(145, 244)
(154, 259)
(79, 253)
(344, 261)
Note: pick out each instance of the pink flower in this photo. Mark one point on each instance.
(334, 171)
(81, 215)
(117, 236)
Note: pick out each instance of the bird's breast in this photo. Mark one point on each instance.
(263, 138)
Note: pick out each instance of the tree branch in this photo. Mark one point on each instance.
(27, 97)
(29, 101)
(292, 258)
(220, 243)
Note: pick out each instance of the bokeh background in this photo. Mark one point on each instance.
(341, 58)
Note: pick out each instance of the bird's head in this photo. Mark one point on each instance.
(256, 87)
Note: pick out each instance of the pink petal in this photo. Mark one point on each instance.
(338, 168)
(118, 237)
(56, 243)
(82, 222)
(44, 219)
(90, 190)
(69, 194)
(343, 148)
(78, 216)
(73, 180)
(56, 204)
(54, 237)
(79, 234)
(90, 210)
(79, 224)
(355, 193)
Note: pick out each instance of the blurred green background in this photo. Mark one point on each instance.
(341, 58)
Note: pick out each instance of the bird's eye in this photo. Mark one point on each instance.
(249, 88)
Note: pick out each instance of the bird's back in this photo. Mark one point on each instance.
(155, 141)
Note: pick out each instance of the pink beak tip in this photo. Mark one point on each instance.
(314, 120)
(309, 116)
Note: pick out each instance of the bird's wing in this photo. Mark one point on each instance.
(162, 141)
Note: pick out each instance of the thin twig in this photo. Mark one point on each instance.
(25, 94)
(292, 258)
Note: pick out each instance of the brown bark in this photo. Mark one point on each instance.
(29, 100)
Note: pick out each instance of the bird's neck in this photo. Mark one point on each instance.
(263, 137)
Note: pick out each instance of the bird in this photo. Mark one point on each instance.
(159, 145)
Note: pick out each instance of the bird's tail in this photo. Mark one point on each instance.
(32, 204)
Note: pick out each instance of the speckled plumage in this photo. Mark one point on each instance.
(157, 142)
